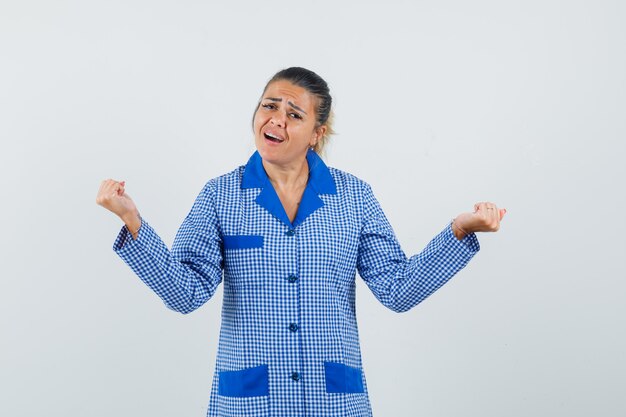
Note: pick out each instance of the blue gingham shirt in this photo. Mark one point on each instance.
(289, 343)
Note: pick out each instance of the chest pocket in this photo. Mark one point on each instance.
(243, 241)
(243, 255)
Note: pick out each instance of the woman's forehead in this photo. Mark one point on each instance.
(283, 90)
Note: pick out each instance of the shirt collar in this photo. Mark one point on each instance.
(320, 178)
(320, 182)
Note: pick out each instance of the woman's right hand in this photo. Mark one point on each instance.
(112, 197)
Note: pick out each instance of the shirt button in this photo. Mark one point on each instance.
(292, 278)
(290, 232)
(293, 327)
(295, 376)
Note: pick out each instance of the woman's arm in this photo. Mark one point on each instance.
(398, 282)
(186, 276)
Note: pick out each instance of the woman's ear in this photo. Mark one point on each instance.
(320, 132)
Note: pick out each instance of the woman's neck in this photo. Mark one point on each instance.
(288, 177)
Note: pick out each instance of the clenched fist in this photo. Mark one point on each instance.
(113, 197)
(485, 218)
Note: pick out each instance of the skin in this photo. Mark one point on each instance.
(485, 218)
(113, 197)
(288, 112)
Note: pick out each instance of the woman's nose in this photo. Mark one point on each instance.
(278, 120)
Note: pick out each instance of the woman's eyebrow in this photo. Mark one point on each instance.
(289, 102)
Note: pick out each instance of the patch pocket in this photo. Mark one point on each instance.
(249, 382)
(243, 241)
(342, 378)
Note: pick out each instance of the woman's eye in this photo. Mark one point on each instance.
(272, 106)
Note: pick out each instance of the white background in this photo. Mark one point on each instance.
(439, 105)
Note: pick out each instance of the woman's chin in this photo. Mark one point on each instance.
(269, 154)
(278, 155)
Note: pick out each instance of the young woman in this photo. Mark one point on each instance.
(288, 234)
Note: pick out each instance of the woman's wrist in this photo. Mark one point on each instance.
(458, 230)
(133, 223)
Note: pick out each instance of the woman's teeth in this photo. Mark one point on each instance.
(272, 138)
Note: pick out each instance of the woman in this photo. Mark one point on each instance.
(288, 235)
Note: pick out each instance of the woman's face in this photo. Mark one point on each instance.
(284, 123)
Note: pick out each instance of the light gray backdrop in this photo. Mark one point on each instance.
(439, 104)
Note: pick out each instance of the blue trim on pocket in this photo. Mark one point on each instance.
(342, 378)
(250, 382)
(243, 241)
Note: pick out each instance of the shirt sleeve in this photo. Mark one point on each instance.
(186, 276)
(400, 283)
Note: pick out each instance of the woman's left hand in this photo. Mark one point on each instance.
(485, 218)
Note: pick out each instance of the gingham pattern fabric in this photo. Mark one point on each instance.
(289, 343)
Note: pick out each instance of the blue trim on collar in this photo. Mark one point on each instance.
(254, 175)
(320, 182)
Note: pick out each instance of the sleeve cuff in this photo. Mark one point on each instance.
(469, 242)
(125, 239)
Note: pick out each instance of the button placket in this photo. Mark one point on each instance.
(293, 278)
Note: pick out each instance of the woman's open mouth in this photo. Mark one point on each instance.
(273, 138)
